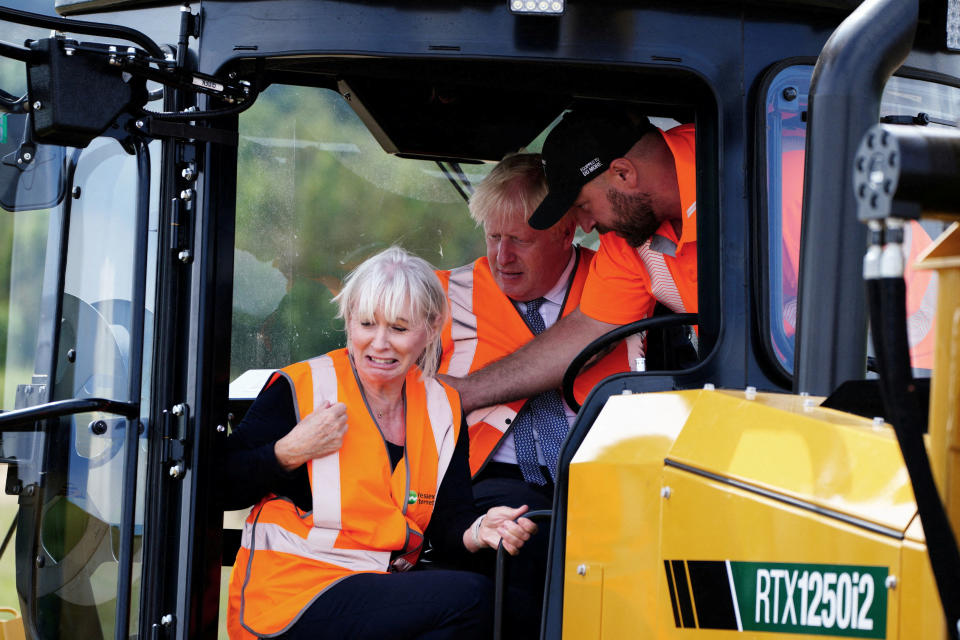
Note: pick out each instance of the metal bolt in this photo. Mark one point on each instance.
(581, 570)
(666, 492)
(176, 470)
(40, 562)
(71, 355)
(167, 620)
(139, 124)
(185, 256)
(178, 409)
(232, 75)
(189, 173)
(37, 105)
(27, 156)
(186, 195)
(790, 94)
(76, 193)
(98, 427)
(221, 428)
(890, 582)
(347, 96)
(878, 421)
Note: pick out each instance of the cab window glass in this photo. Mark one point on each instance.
(316, 195)
(785, 111)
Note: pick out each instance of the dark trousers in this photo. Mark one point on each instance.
(503, 484)
(436, 604)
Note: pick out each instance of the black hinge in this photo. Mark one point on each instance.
(174, 421)
(158, 128)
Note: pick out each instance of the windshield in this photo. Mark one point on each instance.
(316, 195)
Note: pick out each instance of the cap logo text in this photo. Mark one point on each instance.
(590, 167)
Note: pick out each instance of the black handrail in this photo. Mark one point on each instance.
(615, 336)
(499, 579)
(844, 101)
(10, 420)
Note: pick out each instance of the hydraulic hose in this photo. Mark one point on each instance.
(888, 318)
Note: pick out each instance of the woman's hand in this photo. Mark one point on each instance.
(319, 434)
(500, 523)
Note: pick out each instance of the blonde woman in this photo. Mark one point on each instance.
(355, 454)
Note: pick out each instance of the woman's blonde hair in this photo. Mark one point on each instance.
(397, 284)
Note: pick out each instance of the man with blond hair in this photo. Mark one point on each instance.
(528, 279)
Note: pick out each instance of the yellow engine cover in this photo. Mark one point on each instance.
(718, 514)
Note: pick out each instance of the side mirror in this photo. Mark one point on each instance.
(32, 176)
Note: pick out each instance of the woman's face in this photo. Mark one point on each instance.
(384, 351)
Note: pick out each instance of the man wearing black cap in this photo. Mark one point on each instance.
(636, 185)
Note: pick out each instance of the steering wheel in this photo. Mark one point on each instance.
(611, 337)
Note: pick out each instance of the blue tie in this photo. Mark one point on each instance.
(543, 412)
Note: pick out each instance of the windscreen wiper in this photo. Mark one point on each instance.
(922, 118)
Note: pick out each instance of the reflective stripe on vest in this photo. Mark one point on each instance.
(463, 321)
(662, 285)
(288, 557)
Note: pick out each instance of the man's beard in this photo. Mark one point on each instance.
(636, 220)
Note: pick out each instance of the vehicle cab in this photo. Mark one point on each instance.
(185, 186)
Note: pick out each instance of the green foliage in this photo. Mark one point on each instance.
(316, 196)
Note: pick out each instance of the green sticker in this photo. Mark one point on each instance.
(3, 128)
(822, 599)
(412, 498)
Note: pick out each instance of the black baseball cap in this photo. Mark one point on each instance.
(577, 150)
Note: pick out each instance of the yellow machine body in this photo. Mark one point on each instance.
(722, 514)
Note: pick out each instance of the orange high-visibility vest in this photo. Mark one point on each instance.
(484, 326)
(367, 516)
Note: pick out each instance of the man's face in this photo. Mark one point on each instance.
(608, 209)
(525, 262)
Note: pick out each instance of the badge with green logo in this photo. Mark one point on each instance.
(412, 497)
(3, 128)
(779, 597)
